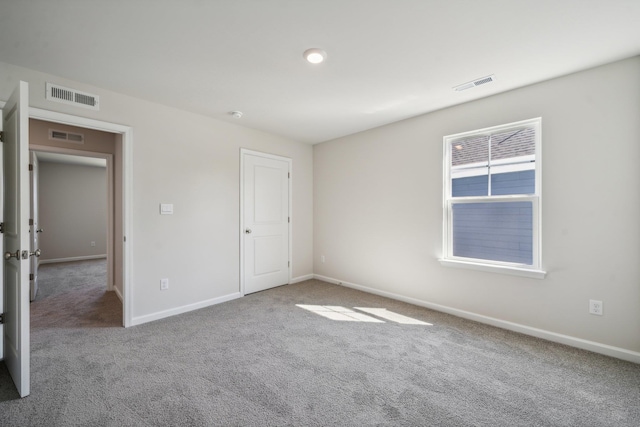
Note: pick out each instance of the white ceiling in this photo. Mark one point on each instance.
(387, 59)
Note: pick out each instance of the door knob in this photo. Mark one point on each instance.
(9, 255)
(36, 253)
(39, 230)
(247, 231)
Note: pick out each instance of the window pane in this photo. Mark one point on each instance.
(512, 144)
(469, 167)
(469, 150)
(470, 186)
(522, 182)
(499, 231)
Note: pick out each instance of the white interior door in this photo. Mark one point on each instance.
(34, 229)
(15, 120)
(265, 222)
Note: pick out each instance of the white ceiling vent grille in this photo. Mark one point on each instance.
(60, 135)
(477, 82)
(65, 95)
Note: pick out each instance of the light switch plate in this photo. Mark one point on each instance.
(166, 209)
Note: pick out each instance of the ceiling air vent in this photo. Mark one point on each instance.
(477, 82)
(60, 135)
(72, 97)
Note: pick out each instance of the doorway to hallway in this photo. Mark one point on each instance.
(77, 198)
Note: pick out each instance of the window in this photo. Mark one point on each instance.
(492, 199)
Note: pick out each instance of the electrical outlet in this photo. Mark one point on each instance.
(93, 244)
(164, 284)
(322, 259)
(595, 307)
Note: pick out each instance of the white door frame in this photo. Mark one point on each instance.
(127, 192)
(33, 228)
(110, 195)
(244, 151)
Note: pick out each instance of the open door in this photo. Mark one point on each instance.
(15, 286)
(34, 230)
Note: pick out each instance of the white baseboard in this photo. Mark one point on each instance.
(608, 350)
(75, 258)
(117, 291)
(301, 279)
(183, 309)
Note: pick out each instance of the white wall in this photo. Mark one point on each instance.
(193, 162)
(73, 210)
(378, 209)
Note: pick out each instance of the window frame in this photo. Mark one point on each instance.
(448, 259)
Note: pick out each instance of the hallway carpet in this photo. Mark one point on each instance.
(72, 294)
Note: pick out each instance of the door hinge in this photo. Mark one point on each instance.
(30, 167)
(1, 314)
(288, 263)
(1, 136)
(288, 174)
(31, 276)
(289, 219)
(1, 227)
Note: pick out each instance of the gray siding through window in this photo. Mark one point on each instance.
(494, 231)
(522, 182)
(470, 186)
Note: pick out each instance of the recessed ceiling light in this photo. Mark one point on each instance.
(236, 114)
(315, 55)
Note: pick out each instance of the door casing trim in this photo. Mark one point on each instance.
(127, 192)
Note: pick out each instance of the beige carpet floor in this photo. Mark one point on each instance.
(74, 295)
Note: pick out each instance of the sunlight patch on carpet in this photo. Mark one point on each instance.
(339, 313)
(394, 317)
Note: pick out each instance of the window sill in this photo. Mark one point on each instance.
(502, 269)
